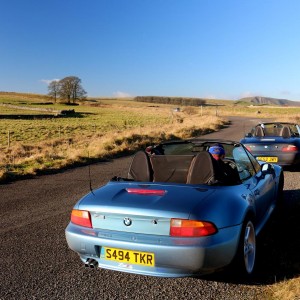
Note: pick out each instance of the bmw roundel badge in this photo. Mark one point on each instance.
(127, 221)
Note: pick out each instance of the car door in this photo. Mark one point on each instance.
(261, 186)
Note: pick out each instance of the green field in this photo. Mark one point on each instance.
(33, 138)
(99, 116)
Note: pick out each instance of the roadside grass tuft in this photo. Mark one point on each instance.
(288, 290)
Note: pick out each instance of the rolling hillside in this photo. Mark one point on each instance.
(267, 101)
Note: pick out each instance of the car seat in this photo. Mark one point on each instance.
(140, 168)
(285, 132)
(259, 131)
(204, 169)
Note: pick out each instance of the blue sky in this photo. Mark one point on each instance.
(224, 49)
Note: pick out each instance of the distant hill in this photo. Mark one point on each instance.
(266, 101)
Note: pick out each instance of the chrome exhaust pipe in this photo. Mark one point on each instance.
(94, 264)
(91, 263)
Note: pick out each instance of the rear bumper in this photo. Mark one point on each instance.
(174, 257)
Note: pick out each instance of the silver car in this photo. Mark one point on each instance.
(175, 215)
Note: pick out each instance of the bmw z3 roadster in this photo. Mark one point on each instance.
(186, 207)
(275, 142)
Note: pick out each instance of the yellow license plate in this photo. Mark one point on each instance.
(268, 159)
(129, 256)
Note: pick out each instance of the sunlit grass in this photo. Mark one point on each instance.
(99, 129)
(102, 128)
(288, 290)
(55, 153)
(259, 111)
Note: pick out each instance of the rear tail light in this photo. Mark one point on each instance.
(250, 147)
(81, 217)
(191, 228)
(145, 191)
(289, 148)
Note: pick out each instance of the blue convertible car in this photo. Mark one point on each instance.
(179, 212)
(275, 142)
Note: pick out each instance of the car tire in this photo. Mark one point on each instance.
(246, 253)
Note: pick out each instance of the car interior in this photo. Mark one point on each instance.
(194, 165)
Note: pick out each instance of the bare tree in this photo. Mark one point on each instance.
(70, 89)
(53, 89)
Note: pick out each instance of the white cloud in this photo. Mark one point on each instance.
(47, 81)
(250, 94)
(247, 94)
(210, 97)
(121, 95)
(231, 96)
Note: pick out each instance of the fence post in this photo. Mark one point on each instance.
(8, 139)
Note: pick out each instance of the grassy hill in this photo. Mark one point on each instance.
(267, 101)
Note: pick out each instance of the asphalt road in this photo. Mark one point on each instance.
(36, 263)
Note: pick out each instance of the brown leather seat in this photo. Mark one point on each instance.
(259, 131)
(285, 132)
(140, 168)
(171, 168)
(204, 169)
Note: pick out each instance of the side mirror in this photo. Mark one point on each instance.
(267, 169)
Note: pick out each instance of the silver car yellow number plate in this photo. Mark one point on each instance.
(128, 256)
(268, 158)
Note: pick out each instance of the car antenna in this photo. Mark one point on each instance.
(90, 178)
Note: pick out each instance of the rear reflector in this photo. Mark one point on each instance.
(289, 148)
(145, 191)
(191, 228)
(81, 217)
